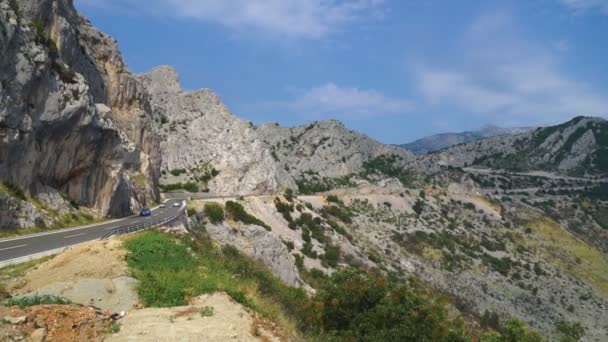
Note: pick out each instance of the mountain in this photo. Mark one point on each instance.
(440, 141)
(75, 125)
(576, 147)
(82, 137)
(205, 147)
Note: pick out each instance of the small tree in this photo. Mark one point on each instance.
(570, 331)
(214, 212)
(288, 194)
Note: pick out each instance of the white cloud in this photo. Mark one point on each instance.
(330, 99)
(586, 5)
(291, 18)
(510, 77)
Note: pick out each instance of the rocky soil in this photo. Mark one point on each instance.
(210, 317)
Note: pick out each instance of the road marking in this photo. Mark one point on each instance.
(3, 249)
(75, 235)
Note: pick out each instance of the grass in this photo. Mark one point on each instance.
(169, 271)
(113, 327)
(36, 299)
(569, 253)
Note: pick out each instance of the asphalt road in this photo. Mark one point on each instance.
(27, 245)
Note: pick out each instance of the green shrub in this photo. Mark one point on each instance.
(14, 190)
(354, 305)
(288, 193)
(66, 74)
(27, 301)
(418, 207)
(285, 209)
(207, 311)
(331, 256)
(177, 172)
(192, 187)
(333, 199)
(512, 330)
(214, 212)
(569, 331)
(341, 213)
(236, 212)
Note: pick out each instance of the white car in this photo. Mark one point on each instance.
(177, 204)
(162, 205)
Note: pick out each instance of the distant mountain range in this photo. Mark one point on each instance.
(443, 140)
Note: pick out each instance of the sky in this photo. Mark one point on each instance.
(396, 70)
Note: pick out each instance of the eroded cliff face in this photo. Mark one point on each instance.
(198, 133)
(73, 120)
(203, 143)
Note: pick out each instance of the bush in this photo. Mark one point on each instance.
(341, 213)
(192, 187)
(569, 331)
(214, 212)
(513, 330)
(355, 305)
(331, 256)
(288, 194)
(418, 207)
(177, 172)
(236, 212)
(14, 190)
(285, 209)
(24, 302)
(333, 199)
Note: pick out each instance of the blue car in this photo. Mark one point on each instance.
(145, 212)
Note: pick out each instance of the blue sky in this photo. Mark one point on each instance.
(396, 70)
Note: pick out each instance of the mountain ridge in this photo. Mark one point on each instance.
(440, 141)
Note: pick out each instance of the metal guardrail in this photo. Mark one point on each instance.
(145, 225)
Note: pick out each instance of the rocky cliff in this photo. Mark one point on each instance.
(206, 148)
(73, 121)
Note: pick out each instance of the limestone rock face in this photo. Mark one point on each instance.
(73, 120)
(197, 131)
(257, 243)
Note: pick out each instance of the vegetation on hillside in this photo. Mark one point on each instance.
(350, 305)
(237, 212)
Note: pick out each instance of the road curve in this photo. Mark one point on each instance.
(23, 246)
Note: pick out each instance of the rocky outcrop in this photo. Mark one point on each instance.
(259, 244)
(199, 133)
(73, 120)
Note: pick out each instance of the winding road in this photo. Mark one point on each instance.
(18, 249)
